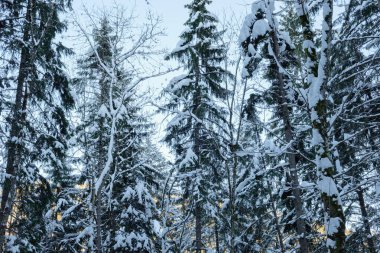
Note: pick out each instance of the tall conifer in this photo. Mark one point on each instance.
(193, 131)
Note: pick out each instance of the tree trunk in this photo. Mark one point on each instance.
(198, 207)
(318, 74)
(335, 225)
(197, 101)
(280, 238)
(98, 223)
(217, 249)
(232, 202)
(300, 221)
(198, 228)
(13, 144)
(367, 227)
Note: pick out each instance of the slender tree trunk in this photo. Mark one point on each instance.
(13, 144)
(300, 220)
(318, 74)
(98, 195)
(234, 144)
(367, 227)
(98, 224)
(198, 227)
(232, 203)
(217, 247)
(280, 238)
(197, 101)
(335, 226)
(198, 207)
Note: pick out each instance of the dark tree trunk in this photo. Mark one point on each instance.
(280, 238)
(217, 247)
(13, 145)
(198, 227)
(197, 111)
(331, 202)
(367, 227)
(296, 192)
(98, 223)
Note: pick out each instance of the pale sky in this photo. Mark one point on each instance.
(172, 12)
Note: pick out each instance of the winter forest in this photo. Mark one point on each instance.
(257, 131)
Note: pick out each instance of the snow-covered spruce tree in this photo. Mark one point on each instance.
(317, 87)
(38, 93)
(261, 38)
(193, 102)
(356, 104)
(118, 181)
(137, 227)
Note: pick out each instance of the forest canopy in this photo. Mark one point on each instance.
(255, 132)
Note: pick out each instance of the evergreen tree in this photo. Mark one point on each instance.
(284, 158)
(115, 206)
(37, 120)
(355, 104)
(193, 131)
